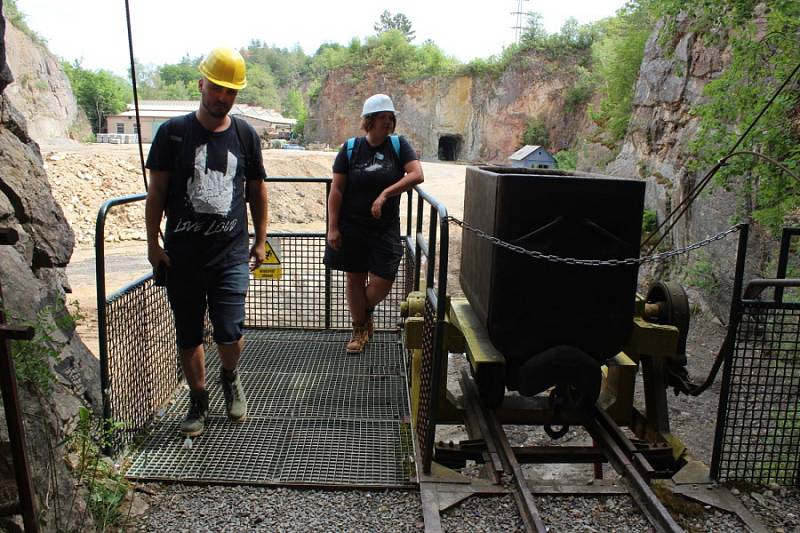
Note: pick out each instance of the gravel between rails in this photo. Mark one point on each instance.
(187, 508)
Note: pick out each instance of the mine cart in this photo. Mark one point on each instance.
(554, 322)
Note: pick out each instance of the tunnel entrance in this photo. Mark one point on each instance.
(449, 147)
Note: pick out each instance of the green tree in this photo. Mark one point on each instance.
(295, 107)
(176, 91)
(261, 88)
(147, 79)
(759, 66)
(287, 66)
(399, 22)
(566, 159)
(617, 56)
(99, 93)
(536, 133)
(534, 32)
(184, 72)
(168, 82)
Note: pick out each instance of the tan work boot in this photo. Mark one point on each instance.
(358, 340)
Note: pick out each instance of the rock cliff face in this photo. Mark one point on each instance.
(484, 118)
(42, 93)
(656, 146)
(473, 118)
(33, 281)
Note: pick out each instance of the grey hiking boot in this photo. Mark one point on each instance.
(235, 401)
(195, 422)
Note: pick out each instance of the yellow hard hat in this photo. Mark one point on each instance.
(225, 66)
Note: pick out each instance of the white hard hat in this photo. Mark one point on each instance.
(377, 103)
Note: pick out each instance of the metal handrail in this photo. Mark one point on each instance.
(435, 290)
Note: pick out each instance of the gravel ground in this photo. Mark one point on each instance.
(204, 509)
(182, 508)
(172, 507)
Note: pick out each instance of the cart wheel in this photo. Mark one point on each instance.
(674, 307)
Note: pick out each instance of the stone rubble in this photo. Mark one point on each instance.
(82, 180)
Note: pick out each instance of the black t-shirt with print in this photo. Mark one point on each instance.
(206, 215)
(371, 170)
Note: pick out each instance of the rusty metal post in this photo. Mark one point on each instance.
(16, 430)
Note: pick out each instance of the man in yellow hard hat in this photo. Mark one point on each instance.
(200, 165)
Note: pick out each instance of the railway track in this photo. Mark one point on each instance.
(490, 444)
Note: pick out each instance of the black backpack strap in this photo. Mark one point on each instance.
(180, 134)
(247, 145)
(246, 141)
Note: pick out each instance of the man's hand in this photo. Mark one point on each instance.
(334, 239)
(257, 253)
(156, 255)
(377, 205)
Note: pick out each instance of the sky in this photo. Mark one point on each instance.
(164, 31)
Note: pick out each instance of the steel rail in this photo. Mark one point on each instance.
(617, 449)
(522, 493)
(655, 512)
(474, 411)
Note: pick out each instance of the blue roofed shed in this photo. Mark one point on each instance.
(532, 156)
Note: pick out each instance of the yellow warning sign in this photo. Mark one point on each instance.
(268, 272)
(270, 267)
(271, 256)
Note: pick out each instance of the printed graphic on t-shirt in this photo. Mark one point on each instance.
(211, 191)
(378, 163)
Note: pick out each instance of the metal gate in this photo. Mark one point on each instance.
(758, 426)
(139, 366)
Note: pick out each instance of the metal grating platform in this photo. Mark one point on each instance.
(316, 416)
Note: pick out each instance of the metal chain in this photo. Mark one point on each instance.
(592, 262)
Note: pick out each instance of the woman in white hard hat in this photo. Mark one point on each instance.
(363, 240)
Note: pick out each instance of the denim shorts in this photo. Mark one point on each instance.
(222, 290)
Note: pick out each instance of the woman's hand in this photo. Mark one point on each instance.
(334, 239)
(377, 205)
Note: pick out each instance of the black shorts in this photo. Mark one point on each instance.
(375, 249)
(223, 290)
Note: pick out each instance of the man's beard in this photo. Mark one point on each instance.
(214, 110)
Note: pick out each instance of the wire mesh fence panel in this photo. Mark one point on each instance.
(142, 357)
(425, 415)
(142, 362)
(761, 422)
(310, 296)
